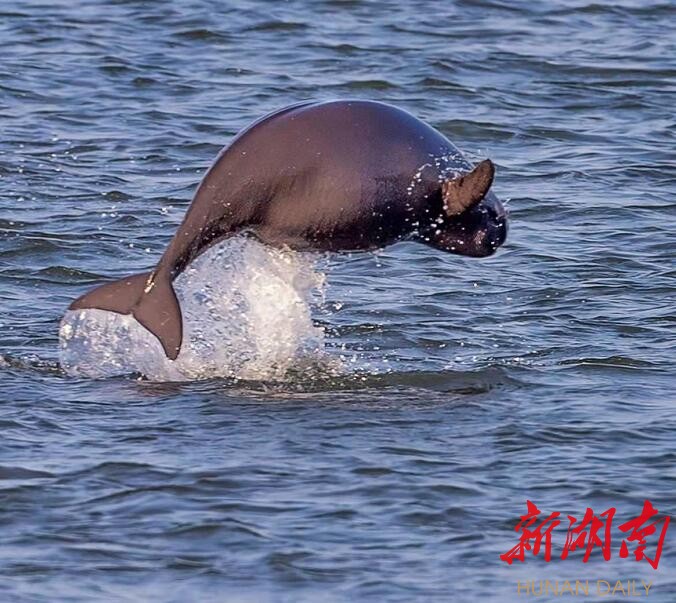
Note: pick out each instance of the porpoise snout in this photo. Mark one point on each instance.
(490, 229)
(496, 227)
(477, 233)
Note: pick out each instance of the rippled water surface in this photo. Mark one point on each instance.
(457, 388)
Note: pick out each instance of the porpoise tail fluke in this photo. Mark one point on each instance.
(150, 298)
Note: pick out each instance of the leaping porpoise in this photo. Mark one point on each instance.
(335, 176)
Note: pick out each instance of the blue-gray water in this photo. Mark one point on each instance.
(543, 373)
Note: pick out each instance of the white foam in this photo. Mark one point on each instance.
(246, 315)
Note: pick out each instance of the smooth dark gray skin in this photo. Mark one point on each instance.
(331, 176)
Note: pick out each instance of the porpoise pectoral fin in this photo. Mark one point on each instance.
(462, 193)
(150, 298)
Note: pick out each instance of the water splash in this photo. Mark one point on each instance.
(246, 315)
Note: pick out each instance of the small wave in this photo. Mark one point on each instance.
(621, 362)
(252, 322)
(30, 362)
(277, 26)
(204, 34)
(9, 472)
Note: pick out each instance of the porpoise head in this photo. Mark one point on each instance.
(473, 222)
